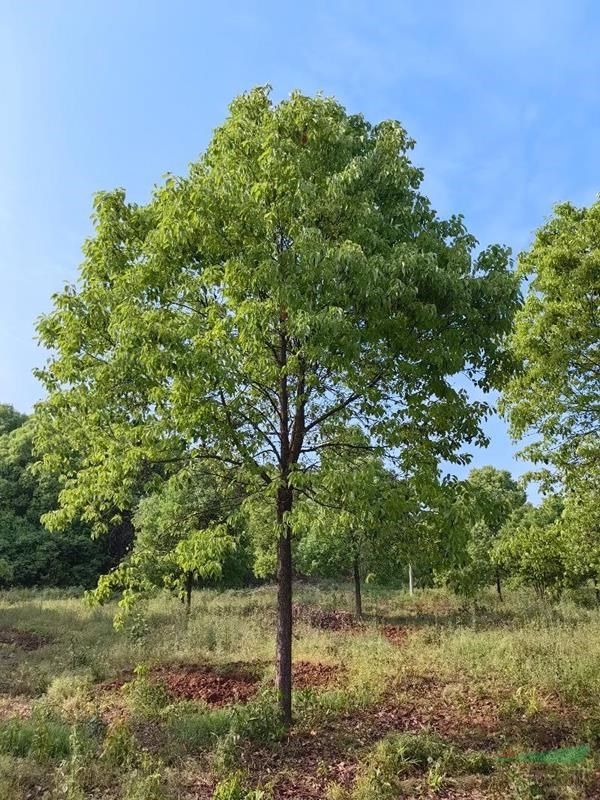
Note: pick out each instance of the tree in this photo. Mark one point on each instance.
(182, 536)
(531, 547)
(491, 496)
(10, 419)
(580, 523)
(556, 340)
(352, 518)
(296, 276)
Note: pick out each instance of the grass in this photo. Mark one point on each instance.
(427, 717)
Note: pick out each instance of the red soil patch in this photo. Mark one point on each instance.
(23, 639)
(232, 684)
(395, 634)
(308, 673)
(192, 682)
(325, 620)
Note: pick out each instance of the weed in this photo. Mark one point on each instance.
(235, 787)
(197, 730)
(70, 773)
(435, 777)
(119, 747)
(42, 738)
(145, 782)
(147, 697)
(257, 722)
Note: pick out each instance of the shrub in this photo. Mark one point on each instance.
(399, 755)
(145, 781)
(119, 746)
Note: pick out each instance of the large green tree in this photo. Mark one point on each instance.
(296, 276)
(556, 340)
(555, 396)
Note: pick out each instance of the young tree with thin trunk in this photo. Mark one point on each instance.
(490, 497)
(351, 517)
(181, 537)
(296, 276)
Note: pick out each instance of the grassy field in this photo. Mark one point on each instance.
(425, 699)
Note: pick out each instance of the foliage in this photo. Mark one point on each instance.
(181, 536)
(347, 515)
(399, 755)
(580, 524)
(235, 787)
(45, 738)
(184, 300)
(29, 555)
(34, 557)
(359, 512)
(531, 547)
(557, 341)
(488, 498)
(10, 419)
(145, 781)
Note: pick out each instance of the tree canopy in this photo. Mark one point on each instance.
(556, 340)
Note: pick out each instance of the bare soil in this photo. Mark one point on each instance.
(324, 619)
(25, 640)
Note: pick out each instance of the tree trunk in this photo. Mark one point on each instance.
(189, 583)
(357, 592)
(283, 667)
(120, 539)
(499, 585)
(410, 579)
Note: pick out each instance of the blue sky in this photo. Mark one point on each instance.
(503, 99)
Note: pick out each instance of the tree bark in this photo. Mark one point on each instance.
(357, 591)
(189, 584)
(120, 539)
(283, 667)
(499, 585)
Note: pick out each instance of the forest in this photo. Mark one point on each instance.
(236, 560)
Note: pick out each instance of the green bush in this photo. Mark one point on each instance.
(401, 755)
(145, 781)
(257, 721)
(119, 747)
